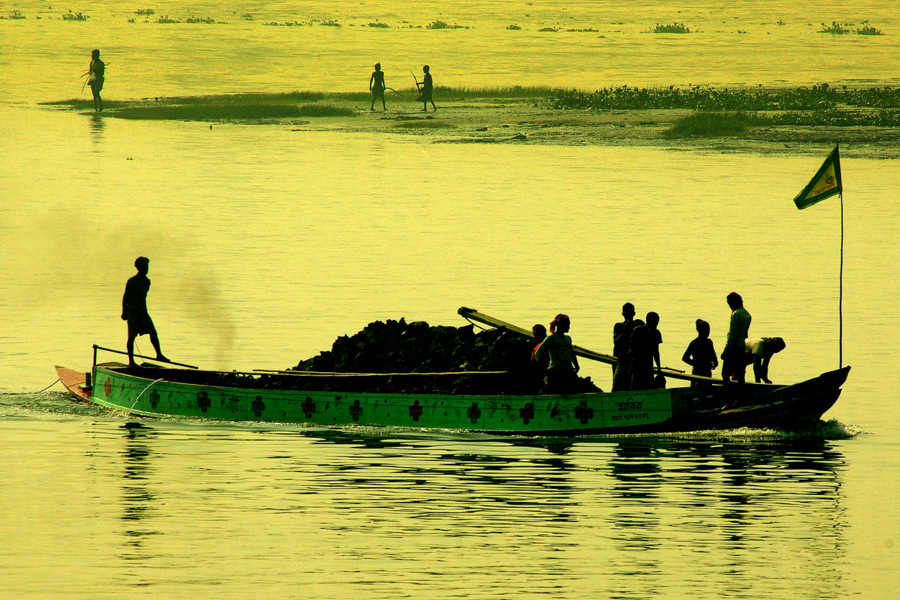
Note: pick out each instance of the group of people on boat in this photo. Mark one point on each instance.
(553, 358)
(636, 350)
(378, 87)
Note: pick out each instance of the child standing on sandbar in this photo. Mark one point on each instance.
(377, 86)
(426, 89)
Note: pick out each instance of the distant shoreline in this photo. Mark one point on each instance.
(864, 120)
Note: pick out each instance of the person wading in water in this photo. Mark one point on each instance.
(96, 76)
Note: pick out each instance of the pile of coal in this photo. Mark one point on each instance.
(401, 357)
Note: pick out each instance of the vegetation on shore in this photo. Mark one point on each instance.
(671, 28)
(695, 112)
(843, 29)
(231, 112)
(817, 97)
(712, 124)
(729, 113)
(232, 107)
(283, 106)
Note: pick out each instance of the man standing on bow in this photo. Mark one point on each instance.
(134, 310)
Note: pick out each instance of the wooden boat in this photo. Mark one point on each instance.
(152, 390)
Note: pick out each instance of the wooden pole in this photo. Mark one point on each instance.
(171, 362)
(841, 293)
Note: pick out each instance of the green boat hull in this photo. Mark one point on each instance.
(146, 396)
(148, 392)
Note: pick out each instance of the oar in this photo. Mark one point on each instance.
(471, 313)
(337, 374)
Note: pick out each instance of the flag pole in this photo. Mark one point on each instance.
(824, 184)
(841, 293)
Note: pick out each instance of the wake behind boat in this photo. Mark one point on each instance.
(377, 399)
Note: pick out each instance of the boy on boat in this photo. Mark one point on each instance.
(538, 368)
(622, 349)
(701, 355)
(645, 341)
(134, 310)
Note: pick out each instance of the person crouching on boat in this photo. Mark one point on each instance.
(562, 373)
(760, 352)
(134, 310)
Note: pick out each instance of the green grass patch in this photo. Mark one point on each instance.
(671, 28)
(230, 112)
(502, 93)
(713, 124)
(867, 29)
(239, 107)
(268, 105)
(443, 25)
(817, 97)
(200, 112)
(243, 99)
(839, 118)
(424, 124)
(325, 110)
(834, 29)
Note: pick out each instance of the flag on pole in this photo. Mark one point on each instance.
(824, 184)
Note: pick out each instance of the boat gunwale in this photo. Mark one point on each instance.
(122, 371)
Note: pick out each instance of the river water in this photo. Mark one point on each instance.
(268, 243)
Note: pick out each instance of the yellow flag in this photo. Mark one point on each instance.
(824, 184)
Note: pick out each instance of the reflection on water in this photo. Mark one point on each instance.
(608, 517)
(97, 124)
(138, 501)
